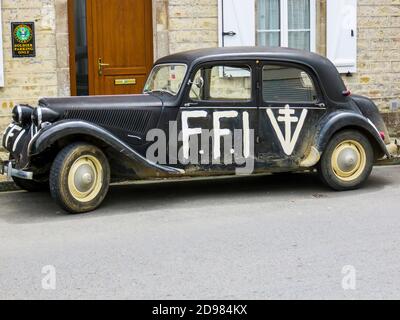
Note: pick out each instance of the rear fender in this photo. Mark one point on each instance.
(345, 120)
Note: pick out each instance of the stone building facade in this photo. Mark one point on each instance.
(180, 25)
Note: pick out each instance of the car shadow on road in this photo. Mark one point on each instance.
(25, 208)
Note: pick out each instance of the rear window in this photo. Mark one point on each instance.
(287, 85)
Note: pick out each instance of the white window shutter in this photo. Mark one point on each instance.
(237, 23)
(342, 34)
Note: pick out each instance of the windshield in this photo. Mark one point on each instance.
(166, 78)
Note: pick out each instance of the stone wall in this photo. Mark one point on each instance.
(378, 73)
(27, 79)
(192, 24)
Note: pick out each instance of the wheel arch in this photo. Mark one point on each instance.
(52, 150)
(348, 121)
(56, 137)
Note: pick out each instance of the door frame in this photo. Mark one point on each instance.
(89, 29)
(72, 47)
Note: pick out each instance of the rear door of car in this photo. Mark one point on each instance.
(291, 106)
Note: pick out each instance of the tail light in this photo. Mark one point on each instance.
(346, 93)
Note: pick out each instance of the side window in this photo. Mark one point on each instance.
(287, 84)
(222, 83)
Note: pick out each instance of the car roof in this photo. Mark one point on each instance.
(228, 53)
(324, 68)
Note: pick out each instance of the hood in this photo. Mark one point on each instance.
(124, 114)
(120, 102)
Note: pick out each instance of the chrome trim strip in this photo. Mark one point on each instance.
(248, 108)
(40, 116)
(134, 137)
(19, 110)
(18, 139)
(373, 126)
(29, 150)
(294, 108)
(218, 108)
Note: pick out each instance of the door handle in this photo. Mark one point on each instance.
(229, 33)
(100, 66)
(190, 104)
(320, 105)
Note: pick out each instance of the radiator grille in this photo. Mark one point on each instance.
(127, 120)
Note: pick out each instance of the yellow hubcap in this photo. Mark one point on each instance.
(349, 160)
(85, 178)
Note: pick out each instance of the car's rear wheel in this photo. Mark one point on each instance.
(80, 178)
(347, 161)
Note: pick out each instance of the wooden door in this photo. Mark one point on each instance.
(120, 41)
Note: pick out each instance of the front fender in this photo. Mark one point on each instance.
(51, 134)
(345, 120)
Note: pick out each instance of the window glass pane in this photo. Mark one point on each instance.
(269, 23)
(269, 14)
(269, 39)
(299, 24)
(299, 40)
(299, 14)
(287, 85)
(221, 85)
(229, 88)
(168, 78)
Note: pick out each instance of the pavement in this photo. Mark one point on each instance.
(267, 237)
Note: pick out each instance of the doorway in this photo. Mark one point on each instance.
(111, 46)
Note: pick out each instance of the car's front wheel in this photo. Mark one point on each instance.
(80, 178)
(347, 161)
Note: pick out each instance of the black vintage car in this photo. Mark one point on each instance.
(203, 113)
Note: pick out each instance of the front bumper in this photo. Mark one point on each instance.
(7, 169)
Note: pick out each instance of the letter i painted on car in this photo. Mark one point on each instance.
(218, 132)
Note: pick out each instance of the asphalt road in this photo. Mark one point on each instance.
(251, 238)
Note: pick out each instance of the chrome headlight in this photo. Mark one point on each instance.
(22, 114)
(42, 115)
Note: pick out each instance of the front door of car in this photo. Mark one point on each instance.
(218, 118)
(291, 105)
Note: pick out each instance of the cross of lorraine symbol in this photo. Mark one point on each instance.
(287, 116)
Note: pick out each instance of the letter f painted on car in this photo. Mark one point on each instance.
(187, 132)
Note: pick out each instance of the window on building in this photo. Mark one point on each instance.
(286, 23)
(291, 23)
(287, 84)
